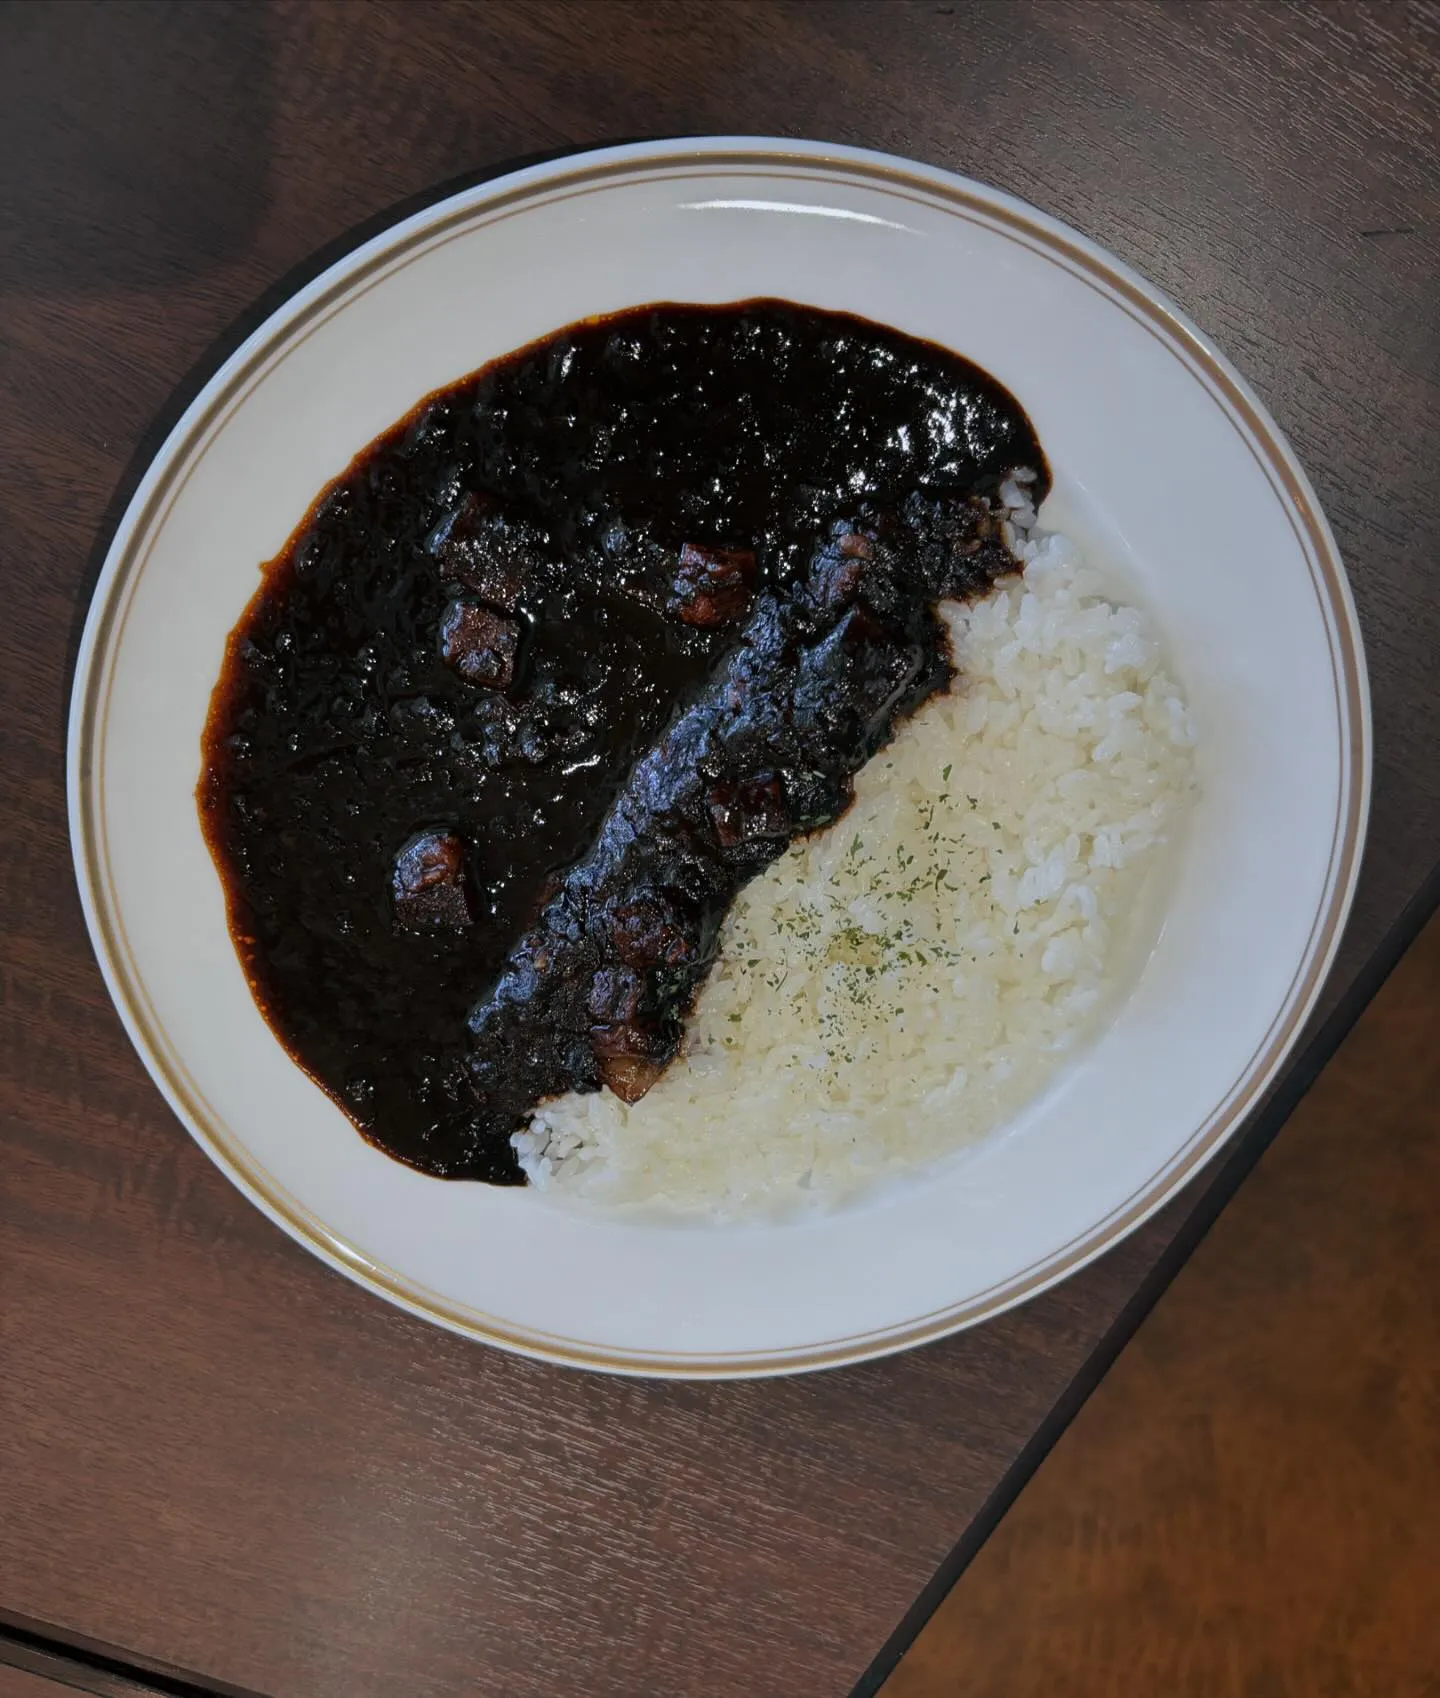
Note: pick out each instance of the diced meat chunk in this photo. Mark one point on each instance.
(713, 585)
(615, 994)
(496, 579)
(631, 1055)
(480, 644)
(477, 546)
(632, 1037)
(749, 812)
(428, 883)
(649, 932)
(839, 572)
(628, 1076)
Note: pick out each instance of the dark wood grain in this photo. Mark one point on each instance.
(216, 1455)
(20, 1683)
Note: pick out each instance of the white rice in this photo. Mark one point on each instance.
(901, 984)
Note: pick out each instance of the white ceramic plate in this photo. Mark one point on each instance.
(1165, 464)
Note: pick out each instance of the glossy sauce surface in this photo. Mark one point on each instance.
(447, 678)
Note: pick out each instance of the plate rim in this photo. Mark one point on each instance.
(595, 167)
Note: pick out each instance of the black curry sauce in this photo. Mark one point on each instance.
(455, 880)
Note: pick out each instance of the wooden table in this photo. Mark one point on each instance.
(224, 1466)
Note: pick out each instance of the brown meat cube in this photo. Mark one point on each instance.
(615, 994)
(712, 586)
(631, 1055)
(480, 644)
(752, 811)
(628, 1076)
(474, 545)
(650, 933)
(496, 579)
(428, 883)
(840, 572)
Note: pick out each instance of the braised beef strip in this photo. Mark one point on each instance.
(598, 991)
